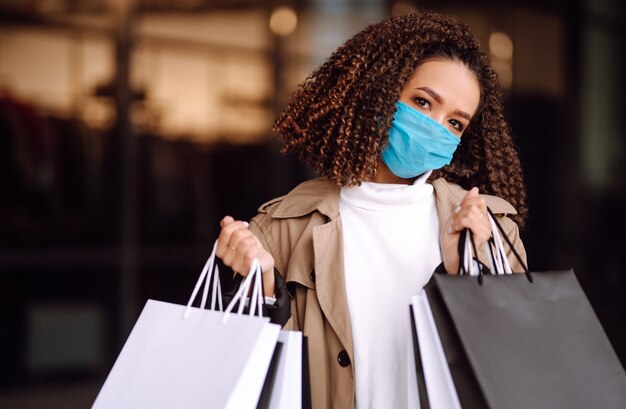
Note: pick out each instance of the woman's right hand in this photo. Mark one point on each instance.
(237, 247)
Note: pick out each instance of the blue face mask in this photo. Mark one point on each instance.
(417, 143)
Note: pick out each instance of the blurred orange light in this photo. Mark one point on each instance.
(283, 21)
(500, 45)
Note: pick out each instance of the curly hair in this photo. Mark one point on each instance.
(339, 118)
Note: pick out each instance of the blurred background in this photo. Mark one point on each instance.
(128, 128)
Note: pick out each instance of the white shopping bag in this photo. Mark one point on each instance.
(441, 392)
(412, 397)
(183, 357)
(287, 390)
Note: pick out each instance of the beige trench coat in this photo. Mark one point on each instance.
(302, 231)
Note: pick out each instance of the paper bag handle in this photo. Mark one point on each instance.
(256, 297)
(210, 270)
(468, 256)
(508, 241)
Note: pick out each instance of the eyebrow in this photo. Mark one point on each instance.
(439, 99)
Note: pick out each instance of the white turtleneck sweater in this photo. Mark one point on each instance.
(391, 248)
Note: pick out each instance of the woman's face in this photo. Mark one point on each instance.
(446, 91)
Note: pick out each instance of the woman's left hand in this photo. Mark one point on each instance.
(470, 214)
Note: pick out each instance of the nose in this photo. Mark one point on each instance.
(439, 117)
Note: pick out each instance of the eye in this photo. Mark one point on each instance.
(422, 103)
(457, 125)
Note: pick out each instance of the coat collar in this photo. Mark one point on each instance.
(323, 196)
(313, 195)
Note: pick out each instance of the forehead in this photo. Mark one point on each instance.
(451, 79)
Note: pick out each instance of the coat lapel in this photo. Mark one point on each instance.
(330, 279)
(321, 196)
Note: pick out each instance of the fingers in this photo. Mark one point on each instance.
(471, 214)
(229, 227)
(238, 247)
(245, 256)
(226, 220)
(472, 198)
(472, 193)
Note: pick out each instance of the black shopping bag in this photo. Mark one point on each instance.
(519, 341)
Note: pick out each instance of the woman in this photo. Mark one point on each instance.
(380, 122)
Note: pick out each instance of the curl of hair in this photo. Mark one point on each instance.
(339, 118)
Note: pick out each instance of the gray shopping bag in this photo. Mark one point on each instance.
(510, 343)
(514, 341)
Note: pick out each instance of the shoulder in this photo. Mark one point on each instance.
(449, 193)
(313, 195)
(285, 225)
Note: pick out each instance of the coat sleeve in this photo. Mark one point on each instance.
(280, 311)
